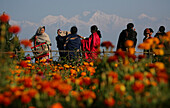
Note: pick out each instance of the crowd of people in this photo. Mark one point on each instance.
(71, 45)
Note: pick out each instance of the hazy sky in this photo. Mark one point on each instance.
(35, 10)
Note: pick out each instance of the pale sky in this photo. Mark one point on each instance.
(34, 10)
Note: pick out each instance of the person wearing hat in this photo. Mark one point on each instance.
(60, 43)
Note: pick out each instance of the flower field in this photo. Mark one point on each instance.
(120, 80)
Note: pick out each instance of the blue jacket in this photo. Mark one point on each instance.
(72, 43)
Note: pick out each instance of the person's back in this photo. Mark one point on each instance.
(72, 44)
(161, 32)
(127, 34)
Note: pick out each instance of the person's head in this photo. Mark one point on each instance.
(94, 29)
(59, 31)
(42, 29)
(73, 30)
(151, 31)
(130, 26)
(162, 29)
(146, 32)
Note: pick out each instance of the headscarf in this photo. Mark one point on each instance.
(42, 37)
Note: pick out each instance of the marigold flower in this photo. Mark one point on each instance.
(149, 41)
(109, 102)
(141, 46)
(127, 77)
(114, 76)
(64, 89)
(56, 105)
(129, 43)
(160, 65)
(4, 17)
(25, 99)
(26, 43)
(51, 92)
(112, 59)
(1, 98)
(158, 51)
(131, 51)
(6, 101)
(156, 40)
(7, 93)
(23, 63)
(120, 53)
(83, 74)
(138, 87)
(138, 75)
(14, 29)
(107, 44)
(120, 88)
(86, 94)
(32, 92)
(87, 80)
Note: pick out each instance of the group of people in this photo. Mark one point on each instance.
(130, 34)
(71, 44)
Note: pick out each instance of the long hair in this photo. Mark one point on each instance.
(94, 28)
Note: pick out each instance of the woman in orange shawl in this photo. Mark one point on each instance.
(91, 44)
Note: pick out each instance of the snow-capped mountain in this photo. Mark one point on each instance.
(110, 25)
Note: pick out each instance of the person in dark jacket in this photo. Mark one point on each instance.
(60, 43)
(161, 32)
(73, 44)
(127, 34)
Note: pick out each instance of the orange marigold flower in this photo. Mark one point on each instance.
(26, 43)
(114, 76)
(14, 29)
(1, 98)
(4, 17)
(156, 40)
(86, 94)
(7, 94)
(131, 51)
(23, 63)
(120, 88)
(127, 77)
(56, 105)
(32, 92)
(25, 99)
(51, 92)
(107, 44)
(160, 65)
(138, 75)
(112, 59)
(65, 89)
(7, 101)
(120, 53)
(87, 80)
(83, 74)
(138, 87)
(109, 102)
(129, 43)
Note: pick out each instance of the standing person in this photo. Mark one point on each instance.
(147, 33)
(151, 31)
(73, 44)
(127, 34)
(60, 43)
(160, 33)
(41, 37)
(92, 43)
